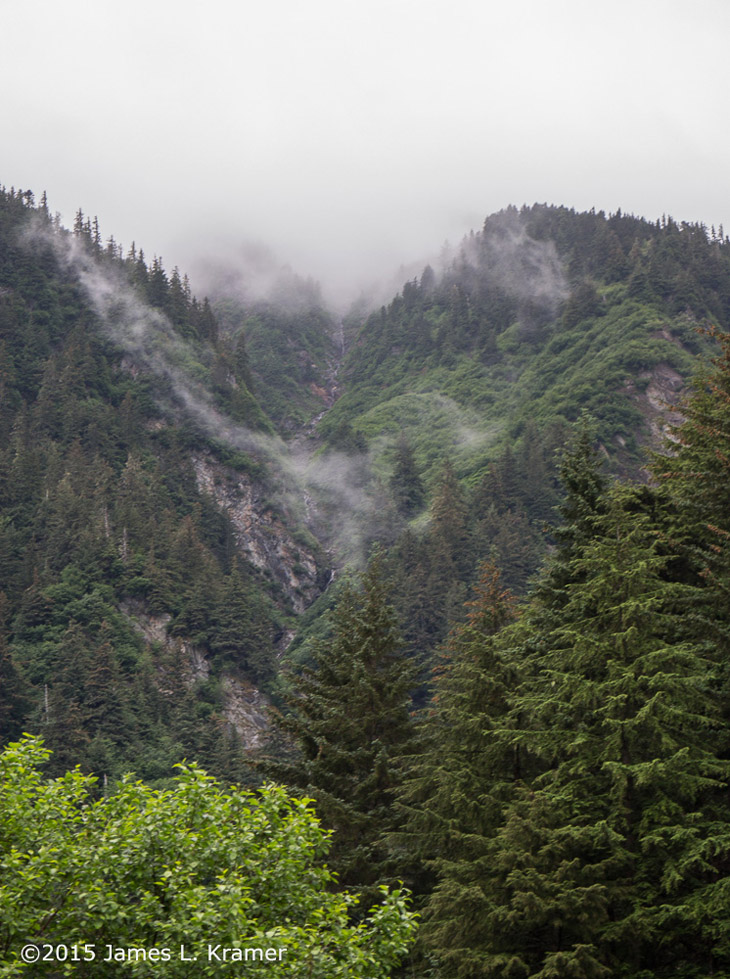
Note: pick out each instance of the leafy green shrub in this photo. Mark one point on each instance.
(182, 869)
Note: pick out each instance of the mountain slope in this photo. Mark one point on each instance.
(543, 314)
(289, 338)
(149, 563)
(154, 543)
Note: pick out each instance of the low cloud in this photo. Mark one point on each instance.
(334, 493)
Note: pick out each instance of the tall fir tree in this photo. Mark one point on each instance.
(406, 484)
(350, 720)
(696, 476)
(450, 794)
(612, 858)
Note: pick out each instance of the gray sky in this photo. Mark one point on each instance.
(350, 136)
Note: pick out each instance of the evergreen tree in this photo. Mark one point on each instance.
(696, 476)
(350, 720)
(456, 784)
(584, 485)
(405, 482)
(241, 632)
(13, 690)
(612, 859)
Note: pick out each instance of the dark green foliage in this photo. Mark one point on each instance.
(502, 519)
(622, 832)
(573, 804)
(696, 475)
(349, 719)
(451, 795)
(585, 486)
(406, 484)
(242, 628)
(560, 806)
(289, 350)
(13, 691)
(102, 522)
(533, 322)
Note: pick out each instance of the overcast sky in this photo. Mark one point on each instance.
(351, 137)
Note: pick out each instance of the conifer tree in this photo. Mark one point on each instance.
(696, 475)
(241, 634)
(612, 860)
(449, 530)
(585, 486)
(456, 784)
(350, 721)
(406, 484)
(13, 690)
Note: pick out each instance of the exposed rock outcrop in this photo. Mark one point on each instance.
(260, 534)
(244, 705)
(153, 628)
(245, 709)
(656, 394)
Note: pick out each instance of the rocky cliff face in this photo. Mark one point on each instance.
(245, 707)
(260, 533)
(153, 628)
(663, 391)
(246, 710)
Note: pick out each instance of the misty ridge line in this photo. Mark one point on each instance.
(336, 495)
(147, 336)
(523, 267)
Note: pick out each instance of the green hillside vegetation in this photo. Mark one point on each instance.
(520, 708)
(289, 343)
(101, 516)
(543, 314)
(562, 800)
(569, 798)
(542, 317)
(192, 876)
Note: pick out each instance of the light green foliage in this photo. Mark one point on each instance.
(190, 865)
(470, 337)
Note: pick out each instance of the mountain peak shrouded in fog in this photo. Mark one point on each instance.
(351, 139)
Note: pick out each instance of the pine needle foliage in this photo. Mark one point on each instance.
(350, 719)
(608, 854)
(696, 475)
(456, 783)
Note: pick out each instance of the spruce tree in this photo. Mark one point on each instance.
(449, 530)
(584, 485)
(13, 689)
(696, 476)
(612, 860)
(349, 718)
(456, 783)
(405, 482)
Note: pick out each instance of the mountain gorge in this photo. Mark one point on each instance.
(182, 480)
(471, 546)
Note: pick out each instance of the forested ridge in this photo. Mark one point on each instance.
(520, 708)
(102, 517)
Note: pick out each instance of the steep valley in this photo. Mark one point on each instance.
(182, 481)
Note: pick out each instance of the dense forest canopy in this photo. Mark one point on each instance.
(519, 708)
(103, 516)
